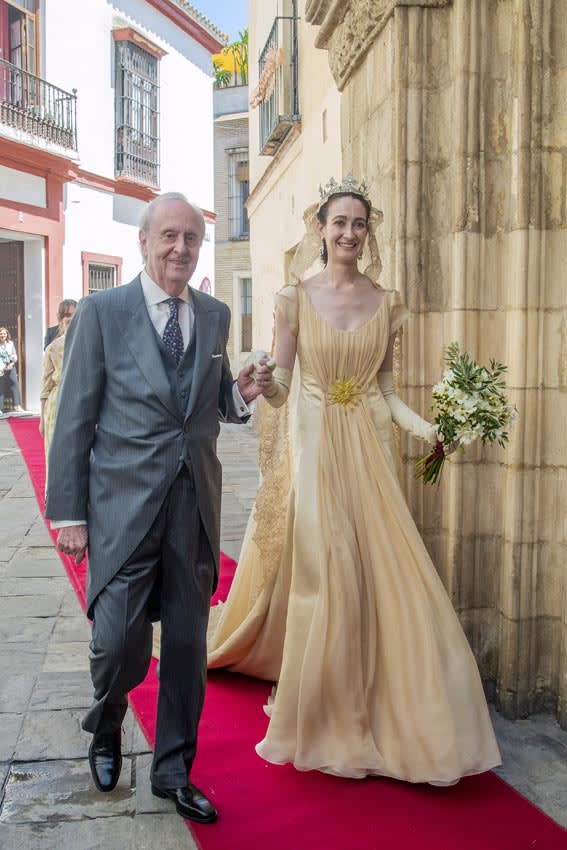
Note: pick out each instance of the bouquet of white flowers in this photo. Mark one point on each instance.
(471, 404)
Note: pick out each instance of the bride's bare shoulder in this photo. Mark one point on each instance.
(313, 282)
(373, 284)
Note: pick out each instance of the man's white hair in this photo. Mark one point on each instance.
(146, 217)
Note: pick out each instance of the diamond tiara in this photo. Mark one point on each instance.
(349, 185)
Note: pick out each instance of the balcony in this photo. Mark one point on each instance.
(230, 100)
(137, 156)
(36, 107)
(276, 94)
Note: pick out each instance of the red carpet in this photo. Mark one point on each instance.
(277, 808)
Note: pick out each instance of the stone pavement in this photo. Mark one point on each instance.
(47, 800)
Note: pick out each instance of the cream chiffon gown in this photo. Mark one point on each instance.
(335, 597)
(52, 366)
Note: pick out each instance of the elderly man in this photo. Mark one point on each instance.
(133, 476)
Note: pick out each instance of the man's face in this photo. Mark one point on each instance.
(171, 245)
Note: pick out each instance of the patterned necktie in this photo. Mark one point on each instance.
(172, 336)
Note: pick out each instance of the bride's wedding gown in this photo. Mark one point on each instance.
(335, 597)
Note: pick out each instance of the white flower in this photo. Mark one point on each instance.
(467, 438)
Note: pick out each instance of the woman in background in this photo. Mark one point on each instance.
(8, 373)
(52, 364)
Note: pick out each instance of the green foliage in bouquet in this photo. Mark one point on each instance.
(471, 404)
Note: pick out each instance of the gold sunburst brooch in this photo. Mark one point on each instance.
(344, 392)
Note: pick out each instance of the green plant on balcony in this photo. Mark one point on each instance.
(232, 68)
(239, 50)
(222, 76)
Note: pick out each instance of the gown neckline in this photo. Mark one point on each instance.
(344, 330)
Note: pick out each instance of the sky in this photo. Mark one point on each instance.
(230, 16)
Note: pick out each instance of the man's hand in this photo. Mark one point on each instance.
(254, 379)
(73, 540)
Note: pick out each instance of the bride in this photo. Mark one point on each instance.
(335, 597)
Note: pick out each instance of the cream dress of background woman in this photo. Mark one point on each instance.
(52, 365)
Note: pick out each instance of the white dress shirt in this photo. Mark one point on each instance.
(158, 309)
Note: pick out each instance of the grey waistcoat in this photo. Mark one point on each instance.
(180, 379)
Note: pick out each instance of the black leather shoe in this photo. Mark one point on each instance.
(105, 759)
(189, 802)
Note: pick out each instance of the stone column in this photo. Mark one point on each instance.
(454, 110)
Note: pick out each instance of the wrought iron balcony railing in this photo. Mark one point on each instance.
(37, 107)
(137, 144)
(137, 156)
(277, 92)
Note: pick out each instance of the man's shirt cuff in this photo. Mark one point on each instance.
(66, 523)
(241, 407)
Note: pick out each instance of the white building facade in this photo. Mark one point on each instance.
(103, 105)
(233, 276)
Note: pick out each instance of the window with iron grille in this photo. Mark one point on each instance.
(137, 113)
(238, 188)
(246, 314)
(101, 277)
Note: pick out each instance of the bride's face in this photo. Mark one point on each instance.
(345, 229)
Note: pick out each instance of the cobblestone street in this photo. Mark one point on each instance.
(48, 801)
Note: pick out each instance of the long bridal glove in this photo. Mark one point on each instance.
(402, 415)
(255, 357)
(278, 390)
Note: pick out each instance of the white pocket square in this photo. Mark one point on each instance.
(213, 356)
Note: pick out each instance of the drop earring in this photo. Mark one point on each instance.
(322, 249)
